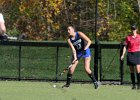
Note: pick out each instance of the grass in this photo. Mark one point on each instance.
(23, 90)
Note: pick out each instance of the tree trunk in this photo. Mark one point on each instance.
(139, 5)
(66, 11)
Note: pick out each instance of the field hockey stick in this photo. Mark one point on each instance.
(66, 69)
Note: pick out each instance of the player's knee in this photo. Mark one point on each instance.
(71, 70)
(88, 71)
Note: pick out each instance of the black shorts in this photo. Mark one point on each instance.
(133, 58)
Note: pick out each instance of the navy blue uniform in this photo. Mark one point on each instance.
(79, 45)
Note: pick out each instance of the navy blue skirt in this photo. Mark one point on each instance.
(133, 58)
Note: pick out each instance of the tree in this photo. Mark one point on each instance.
(47, 19)
(115, 18)
(139, 5)
(36, 18)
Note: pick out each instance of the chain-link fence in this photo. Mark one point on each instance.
(45, 60)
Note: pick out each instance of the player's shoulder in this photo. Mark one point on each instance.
(1, 14)
(80, 33)
(138, 35)
(129, 35)
(1, 17)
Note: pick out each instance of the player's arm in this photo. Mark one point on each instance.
(123, 53)
(83, 36)
(2, 24)
(73, 50)
(2, 28)
(124, 48)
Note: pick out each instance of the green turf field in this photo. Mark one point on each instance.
(20, 90)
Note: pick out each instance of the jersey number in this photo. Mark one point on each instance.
(78, 46)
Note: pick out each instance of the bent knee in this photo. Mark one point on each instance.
(88, 71)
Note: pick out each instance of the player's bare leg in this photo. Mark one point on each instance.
(69, 75)
(89, 72)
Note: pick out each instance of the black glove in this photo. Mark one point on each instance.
(84, 52)
(4, 37)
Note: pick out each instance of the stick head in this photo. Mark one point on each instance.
(64, 70)
(61, 74)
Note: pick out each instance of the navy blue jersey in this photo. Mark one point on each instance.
(78, 42)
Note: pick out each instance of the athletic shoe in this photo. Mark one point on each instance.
(65, 86)
(133, 87)
(96, 85)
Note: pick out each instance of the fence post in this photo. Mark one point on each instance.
(96, 60)
(121, 63)
(96, 43)
(100, 61)
(57, 63)
(19, 67)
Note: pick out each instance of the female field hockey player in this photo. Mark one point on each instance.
(2, 25)
(79, 44)
(3, 35)
(132, 43)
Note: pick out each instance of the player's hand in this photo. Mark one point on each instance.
(84, 52)
(122, 57)
(74, 60)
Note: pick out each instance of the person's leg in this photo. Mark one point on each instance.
(89, 72)
(69, 75)
(138, 76)
(132, 74)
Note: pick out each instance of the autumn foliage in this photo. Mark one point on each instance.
(36, 18)
(47, 19)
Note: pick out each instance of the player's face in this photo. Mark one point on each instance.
(134, 31)
(70, 31)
